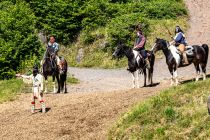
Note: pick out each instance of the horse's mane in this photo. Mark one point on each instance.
(162, 41)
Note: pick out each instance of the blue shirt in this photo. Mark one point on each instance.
(55, 46)
(180, 38)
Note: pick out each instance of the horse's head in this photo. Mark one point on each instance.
(160, 44)
(50, 53)
(119, 51)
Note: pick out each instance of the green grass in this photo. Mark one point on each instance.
(9, 89)
(177, 113)
(95, 56)
(72, 80)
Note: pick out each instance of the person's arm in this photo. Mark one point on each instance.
(23, 76)
(141, 44)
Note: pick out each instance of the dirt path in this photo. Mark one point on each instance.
(91, 107)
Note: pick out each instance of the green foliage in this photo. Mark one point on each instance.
(67, 18)
(72, 80)
(18, 40)
(177, 113)
(9, 89)
(58, 17)
(122, 28)
(96, 25)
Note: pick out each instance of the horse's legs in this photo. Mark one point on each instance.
(137, 78)
(203, 67)
(54, 89)
(197, 72)
(145, 77)
(150, 75)
(175, 73)
(58, 81)
(65, 86)
(46, 82)
(172, 76)
(133, 76)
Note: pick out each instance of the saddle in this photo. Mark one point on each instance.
(189, 51)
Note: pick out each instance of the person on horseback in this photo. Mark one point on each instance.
(180, 41)
(55, 47)
(139, 44)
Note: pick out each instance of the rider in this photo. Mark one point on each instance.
(139, 44)
(55, 46)
(180, 42)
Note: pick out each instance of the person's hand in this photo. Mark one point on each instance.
(18, 75)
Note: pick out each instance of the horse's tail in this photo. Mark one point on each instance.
(206, 48)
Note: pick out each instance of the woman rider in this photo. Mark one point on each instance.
(139, 44)
(180, 42)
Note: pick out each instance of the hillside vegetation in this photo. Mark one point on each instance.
(96, 26)
(177, 113)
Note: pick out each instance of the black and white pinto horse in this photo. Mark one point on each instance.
(50, 68)
(136, 63)
(198, 55)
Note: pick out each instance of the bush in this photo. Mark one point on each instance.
(18, 40)
(122, 28)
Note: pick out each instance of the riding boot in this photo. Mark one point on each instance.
(147, 63)
(185, 58)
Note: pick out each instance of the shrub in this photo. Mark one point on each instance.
(122, 28)
(18, 39)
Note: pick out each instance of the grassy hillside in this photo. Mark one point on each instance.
(96, 55)
(177, 113)
(92, 26)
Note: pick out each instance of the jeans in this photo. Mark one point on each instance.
(142, 52)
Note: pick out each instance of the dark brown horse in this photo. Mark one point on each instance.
(197, 55)
(50, 68)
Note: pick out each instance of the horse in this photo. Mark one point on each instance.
(198, 55)
(49, 68)
(63, 74)
(136, 63)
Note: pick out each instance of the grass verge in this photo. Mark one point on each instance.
(9, 89)
(177, 113)
(72, 80)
